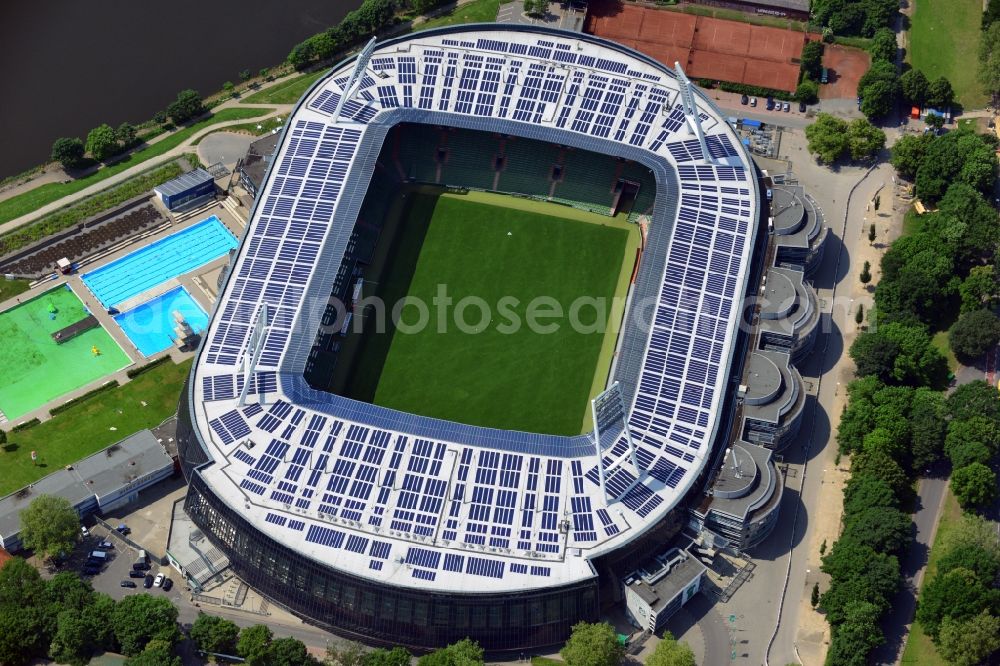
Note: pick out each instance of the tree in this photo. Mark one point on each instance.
(927, 420)
(214, 634)
(898, 353)
(188, 105)
(50, 525)
(992, 13)
(859, 316)
(939, 93)
(857, 573)
(866, 273)
(68, 151)
(141, 618)
(934, 121)
(807, 91)
(883, 45)
(908, 154)
(914, 86)
(814, 595)
(593, 645)
(979, 561)
(253, 643)
(980, 290)
(827, 137)
(881, 466)
(957, 594)
(288, 652)
(864, 139)
(969, 642)
(348, 653)
(465, 652)
(397, 656)
(871, 234)
(72, 641)
(879, 98)
(976, 398)
(227, 87)
(125, 134)
(811, 60)
(975, 429)
(264, 73)
(883, 529)
(671, 652)
(244, 74)
(974, 334)
(102, 142)
(974, 485)
(857, 635)
(156, 653)
(22, 636)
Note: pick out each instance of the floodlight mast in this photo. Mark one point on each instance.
(608, 410)
(253, 352)
(691, 110)
(359, 69)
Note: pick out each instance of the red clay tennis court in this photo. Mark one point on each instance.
(707, 48)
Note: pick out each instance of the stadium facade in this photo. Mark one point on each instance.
(401, 529)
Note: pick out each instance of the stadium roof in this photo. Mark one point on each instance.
(416, 502)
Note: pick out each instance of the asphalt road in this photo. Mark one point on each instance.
(896, 624)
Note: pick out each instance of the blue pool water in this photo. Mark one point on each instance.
(150, 326)
(167, 258)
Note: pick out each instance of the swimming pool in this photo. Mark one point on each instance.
(167, 258)
(150, 326)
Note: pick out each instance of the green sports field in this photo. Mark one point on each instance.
(517, 259)
(34, 368)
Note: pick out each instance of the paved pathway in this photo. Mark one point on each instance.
(173, 153)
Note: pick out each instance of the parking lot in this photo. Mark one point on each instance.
(120, 560)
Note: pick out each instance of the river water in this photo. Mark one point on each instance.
(67, 66)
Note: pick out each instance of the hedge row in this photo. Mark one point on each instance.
(24, 426)
(66, 218)
(86, 396)
(135, 372)
(757, 91)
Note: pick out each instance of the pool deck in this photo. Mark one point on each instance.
(200, 283)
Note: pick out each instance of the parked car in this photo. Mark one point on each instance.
(158, 581)
(753, 101)
(786, 107)
(825, 76)
(744, 100)
(167, 584)
(128, 583)
(148, 582)
(802, 107)
(140, 566)
(106, 545)
(136, 574)
(770, 103)
(123, 529)
(84, 531)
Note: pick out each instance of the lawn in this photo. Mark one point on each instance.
(940, 340)
(36, 369)
(35, 198)
(92, 425)
(257, 128)
(12, 288)
(944, 40)
(493, 370)
(920, 651)
(477, 11)
(286, 92)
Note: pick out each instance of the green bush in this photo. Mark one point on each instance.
(756, 91)
(135, 372)
(24, 426)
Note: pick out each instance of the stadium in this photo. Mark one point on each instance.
(419, 488)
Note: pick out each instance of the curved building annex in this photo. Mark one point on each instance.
(399, 528)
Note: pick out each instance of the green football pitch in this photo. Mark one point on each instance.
(501, 261)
